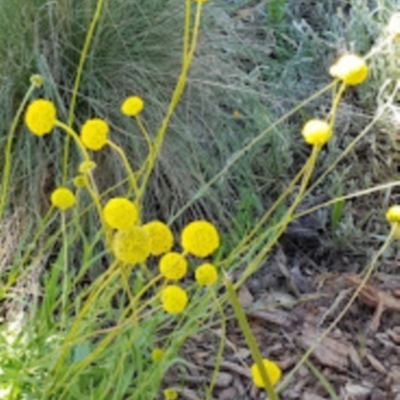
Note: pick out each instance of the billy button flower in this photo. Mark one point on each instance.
(161, 237)
(157, 354)
(62, 198)
(40, 117)
(86, 166)
(200, 238)
(173, 266)
(274, 373)
(94, 134)
(120, 213)
(316, 132)
(132, 106)
(170, 394)
(79, 181)
(173, 299)
(393, 217)
(350, 68)
(131, 246)
(206, 274)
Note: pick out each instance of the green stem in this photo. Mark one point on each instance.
(7, 151)
(249, 337)
(187, 58)
(77, 82)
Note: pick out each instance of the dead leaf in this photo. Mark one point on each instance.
(245, 297)
(373, 297)
(375, 363)
(329, 352)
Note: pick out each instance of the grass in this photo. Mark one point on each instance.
(91, 323)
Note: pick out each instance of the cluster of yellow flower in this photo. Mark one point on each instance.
(132, 242)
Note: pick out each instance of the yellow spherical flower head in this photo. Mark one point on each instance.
(36, 80)
(120, 213)
(316, 132)
(157, 355)
(273, 371)
(200, 238)
(132, 106)
(40, 117)
(131, 246)
(79, 181)
(173, 266)
(161, 237)
(173, 299)
(393, 217)
(206, 274)
(62, 198)
(86, 166)
(94, 133)
(393, 214)
(170, 394)
(351, 69)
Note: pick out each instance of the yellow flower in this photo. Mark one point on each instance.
(79, 181)
(86, 166)
(316, 132)
(120, 213)
(170, 394)
(160, 236)
(393, 217)
(173, 266)
(94, 134)
(201, 1)
(40, 117)
(206, 274)
(157, 355)
(131, 246)
(393, 214)
(132, 106)
(173, 299)
(200, 238)
(36, 80)
(350, 68)
(62, 198)
(273, 372)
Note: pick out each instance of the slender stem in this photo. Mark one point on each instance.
(7, 151)
(128, 168)
(65, 273)
(77, 82)
(249, 337)
(145, 134)
(187, 58)
(70, 132)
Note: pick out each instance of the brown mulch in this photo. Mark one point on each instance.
(360, 358)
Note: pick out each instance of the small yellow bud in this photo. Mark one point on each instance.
(132, 106)
(62, 198)
(79, 181)
(273, 372)
(36, 80)
(316, 132)
(350, 68)
(86, 166)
